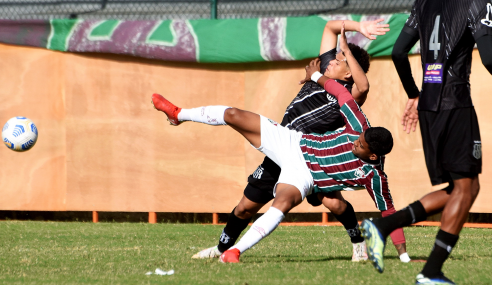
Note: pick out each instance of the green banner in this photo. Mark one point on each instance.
(221, 41)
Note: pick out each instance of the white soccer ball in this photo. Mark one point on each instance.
(19, 134)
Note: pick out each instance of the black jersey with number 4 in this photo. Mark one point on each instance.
(448, 30)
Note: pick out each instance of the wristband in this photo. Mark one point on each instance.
(316, 76)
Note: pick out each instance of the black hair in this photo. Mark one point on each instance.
(361, 56)
(379, 140)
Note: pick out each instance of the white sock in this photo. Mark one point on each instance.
(260, 229)
(211, 115)
(404, 257)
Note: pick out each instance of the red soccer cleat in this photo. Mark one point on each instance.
(161, 104)
(230, 256)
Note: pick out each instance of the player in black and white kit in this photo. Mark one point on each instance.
(313, 110)
(448, 31)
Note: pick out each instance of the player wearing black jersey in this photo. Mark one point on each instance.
(448, 31)
(313, 110)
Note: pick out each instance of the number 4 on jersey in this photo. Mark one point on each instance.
(434, 43)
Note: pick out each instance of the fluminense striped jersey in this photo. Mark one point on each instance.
(333, 165)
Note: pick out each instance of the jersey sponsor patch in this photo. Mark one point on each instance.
(433, 73)
(487, 21)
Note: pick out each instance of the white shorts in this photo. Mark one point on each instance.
(282, 146)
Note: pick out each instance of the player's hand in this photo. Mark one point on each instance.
(313, 66)
(370, 29)
(343, 39)
(410, 115)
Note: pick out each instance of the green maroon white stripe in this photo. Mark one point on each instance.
(333, 165)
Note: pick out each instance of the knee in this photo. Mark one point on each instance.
(244, 212)
(232, 114)
(336, 206)
(470, 189)
(286, 204)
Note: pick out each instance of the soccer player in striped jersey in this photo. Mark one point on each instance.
(314, 110)
(448, 31)
(345, 159)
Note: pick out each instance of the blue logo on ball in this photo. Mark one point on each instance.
(8, 143)
(18, 130)
(34, 129)
(27, 145)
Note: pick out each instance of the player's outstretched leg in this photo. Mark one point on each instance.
(246, 123)
(260, 229)
(233, 229)
(376, 231)
(375, 243)
(286, 198)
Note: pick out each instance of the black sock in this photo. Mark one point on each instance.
(414, 213)
(441, 251)
(349, 221)
(234, 227)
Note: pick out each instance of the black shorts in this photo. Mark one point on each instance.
(262, 181)
(452, 144)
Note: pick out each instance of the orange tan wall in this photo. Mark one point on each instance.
(102, 146)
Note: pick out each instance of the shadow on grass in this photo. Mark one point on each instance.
(296, 258)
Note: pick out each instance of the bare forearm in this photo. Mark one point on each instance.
(358, 74)
(331, 32)
(335, 26)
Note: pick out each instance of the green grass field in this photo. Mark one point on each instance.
(121, 253)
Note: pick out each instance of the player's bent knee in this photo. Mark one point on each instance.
(285, 205)
(243, 212)
(232, 115)
(336, 208)
(336, 204)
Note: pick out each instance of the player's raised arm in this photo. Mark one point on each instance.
(369, 29)
(361, 83)
(352, 115)
(354, 72)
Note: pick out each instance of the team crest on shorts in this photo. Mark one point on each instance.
(477, 150)
(273, 122)
(258, 172)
